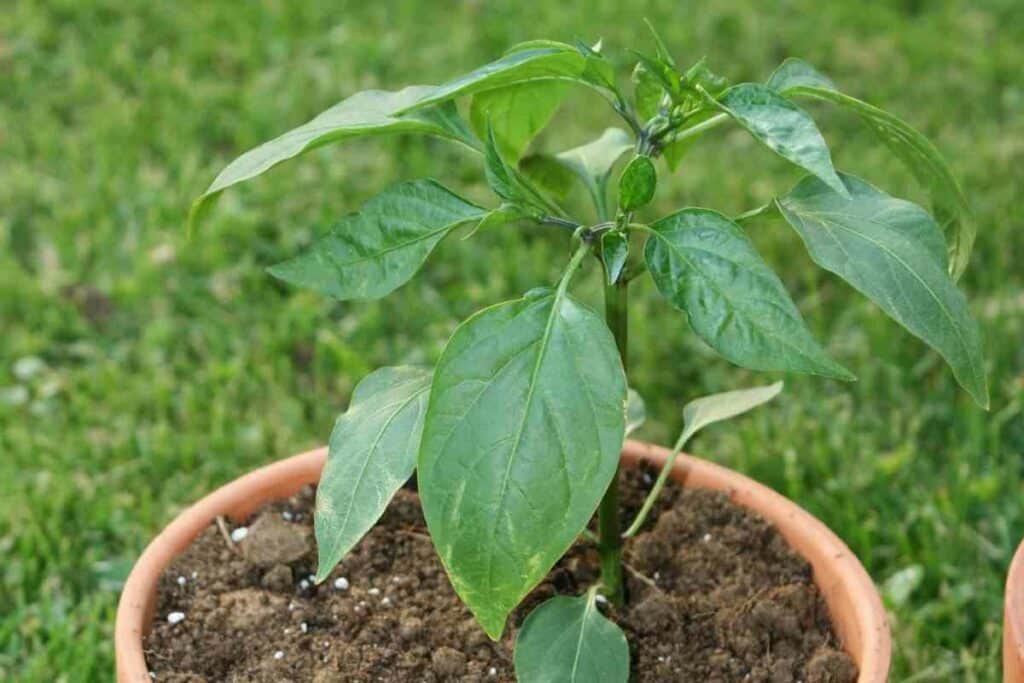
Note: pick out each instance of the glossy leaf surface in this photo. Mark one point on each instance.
(370, 253)
(614, 252)
(637, 183)
(522, 436)
(568, 640)
(783, 126)
(705, 266)
(891, 251)
(372, 453)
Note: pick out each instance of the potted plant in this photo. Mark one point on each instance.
(515, 435)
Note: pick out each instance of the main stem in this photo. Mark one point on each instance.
(609, 538)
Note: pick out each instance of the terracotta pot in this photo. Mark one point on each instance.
(854, 604)
(1013, 621)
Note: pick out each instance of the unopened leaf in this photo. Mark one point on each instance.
(372, 252)
(372, 453)
(636, 411)
(568, 640)
(614, 252)
(890, 250)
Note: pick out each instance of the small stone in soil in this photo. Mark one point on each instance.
(386, 602)
(341, 583)
(279, 655)
(374, 591)
(304, 627)
(239, 534)
(304, 584)
(493, 671)
(175, 618)
(182, 580)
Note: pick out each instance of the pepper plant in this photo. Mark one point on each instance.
(515, 433)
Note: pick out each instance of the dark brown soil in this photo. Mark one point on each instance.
(715, 595)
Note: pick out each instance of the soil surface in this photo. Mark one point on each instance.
(715, 595)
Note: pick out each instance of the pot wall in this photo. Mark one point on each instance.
(854, 604)
(1013, 621)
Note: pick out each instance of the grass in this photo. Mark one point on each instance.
(139, 369)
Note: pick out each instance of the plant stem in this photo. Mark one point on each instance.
(609, 540)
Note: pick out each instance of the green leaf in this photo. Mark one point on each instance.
(637, 183)
(506, 213)
(373, 112)
(548, 173)
(784, 127)
(662, 50)
(592, 163)
(516, 113)
(706, 410)
(796, 77)
(372, 453)
(500, 176)
(647, 91)
(705, 266)
(636, 411)
(545, 60)
(568, 640)
(522, 437)
(700, 74)
(614, 252)
(372, 252)
(890, 250)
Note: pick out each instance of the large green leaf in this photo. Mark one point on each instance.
(782, 126)
(546, 60)
(516, 113)
(889, 250)
(796, 77)
(705, 266)
(372, 453)
(568, 640)
(522, 437)
(370, 253)
(373, 112)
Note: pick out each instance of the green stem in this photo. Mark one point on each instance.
(666, 469)
(715, 120)
(609, 539)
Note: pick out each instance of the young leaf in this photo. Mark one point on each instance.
(647, 91)
(592, 163)
(373, 112)
(372, 453)
(548, 173)
(890, 251)
(372, 252)
(516, 113)
(796, 77)
(506, 213)
(637, 183)
(614, 252)
(522, 437)
(568, 640)
(546, 60)
(662, 50)
(636, 411)
(705, 266)
(500, 176)
(782, 126)
(706, 410)
(700, 74)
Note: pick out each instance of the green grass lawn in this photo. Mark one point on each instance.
(139, 369)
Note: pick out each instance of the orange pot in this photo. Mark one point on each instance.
(854, 604)
(1013, 621)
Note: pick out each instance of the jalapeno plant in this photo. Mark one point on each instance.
(515, 434)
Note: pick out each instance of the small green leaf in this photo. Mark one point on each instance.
(516, 113)
(614, 252)
(890, 250)
(592, 163)
(500, 176)
(536, 61)
(647, 91)
(373, 112)
(637, 183)
(372, 453)
(598, 71)
(636, 411)
(700, 74)
(568, 640)
(701, 412)
(784, 127)
(372, 252)
(662, 49)
(796, 77)
(705, 266)
(664, 73)
(522, 437)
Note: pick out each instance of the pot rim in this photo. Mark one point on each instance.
(853, 601)
(1013, 621)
